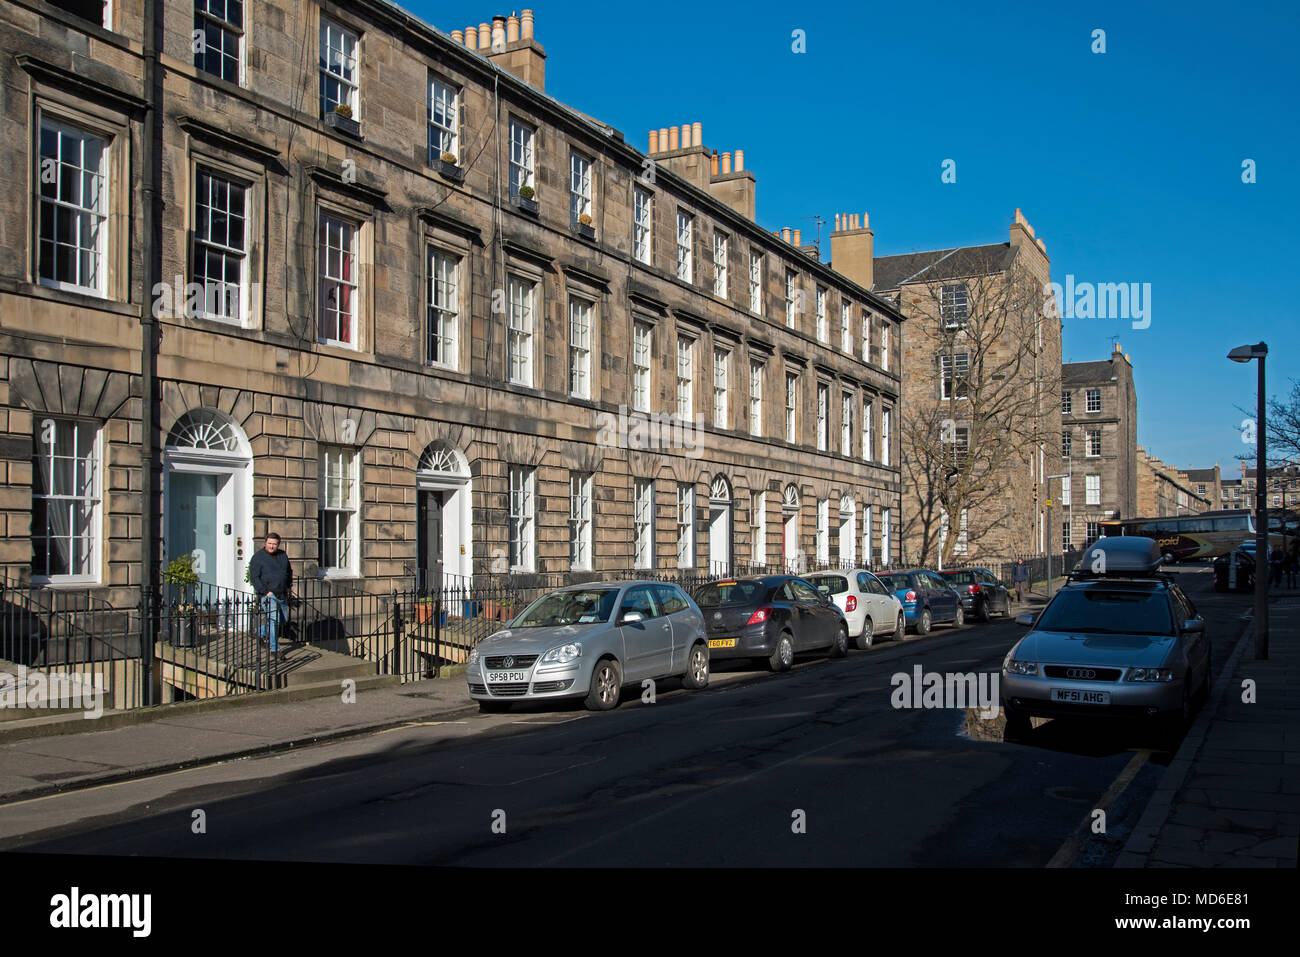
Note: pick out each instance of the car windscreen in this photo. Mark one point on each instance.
(587, 606)
(830, 584)
(896, 582)
(960, 578)
(1108, 611)
(729, 593)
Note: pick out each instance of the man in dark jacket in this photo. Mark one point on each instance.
(271, 576)
(1020, 576)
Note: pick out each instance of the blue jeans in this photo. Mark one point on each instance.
(277, 614)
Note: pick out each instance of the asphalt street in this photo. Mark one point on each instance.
(812, 767)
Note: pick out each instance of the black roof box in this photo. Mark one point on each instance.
(1122, 555)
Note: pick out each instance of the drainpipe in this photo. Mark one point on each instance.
(152, 258)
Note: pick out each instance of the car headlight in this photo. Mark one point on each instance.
(473, 655)
(1150, 674)
(563, 654)
(1016, 667)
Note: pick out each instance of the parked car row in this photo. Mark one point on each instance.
(589, 641)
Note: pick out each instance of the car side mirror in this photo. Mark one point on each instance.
(1193, 626)
(1027, 618)
(631, 618)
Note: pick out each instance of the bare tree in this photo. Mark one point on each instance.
(969, 446)
(1283, 426)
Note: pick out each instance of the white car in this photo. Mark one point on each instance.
(869, 606)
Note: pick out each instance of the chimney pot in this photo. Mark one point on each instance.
(471, 37)
(654, 142)
(697, 134)
(498, 32)
(674, 137)
(714, 162)
(837, 222)
(798, 241)
(512, 28)
(740, 161)
(485, 36)
(526, 25)
(726, 162)
(686, 136)
(785, 234)
(866, 221)
(458, 36)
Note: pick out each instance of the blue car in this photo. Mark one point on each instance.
(927, 599)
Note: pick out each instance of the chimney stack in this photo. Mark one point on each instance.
(508, 41)
(852, 248)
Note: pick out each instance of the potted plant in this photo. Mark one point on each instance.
(525, 199)
(182, 622)
(423, 611)
(447, 166)
(341, 119)
(584, 227)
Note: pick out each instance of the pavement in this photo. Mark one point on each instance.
(1229, 798)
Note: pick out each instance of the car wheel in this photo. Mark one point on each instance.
(923, 623)
(900, 630)
(606, 684)
(863, 640)
(961, 617)
(1175, 724)
(697, 668)
(985, 615)
(493, 707)
(782, 656)
(1016, 724)
(840, 646)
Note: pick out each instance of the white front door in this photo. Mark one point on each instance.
(720, 539)
(208, 515)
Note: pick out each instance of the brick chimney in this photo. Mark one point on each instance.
(681, 150)
(508, 42)
(852, 245)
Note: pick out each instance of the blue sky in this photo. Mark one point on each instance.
(1127, 163)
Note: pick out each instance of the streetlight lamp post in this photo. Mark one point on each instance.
(1245, 354)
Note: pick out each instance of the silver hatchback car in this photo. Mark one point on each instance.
(588, 641)
(1118, 640)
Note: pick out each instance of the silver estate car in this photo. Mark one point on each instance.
(588, 641)
(1118, 640)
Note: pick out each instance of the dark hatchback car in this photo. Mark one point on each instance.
(982, 594)
(770, 619)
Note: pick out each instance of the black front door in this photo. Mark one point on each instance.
(428, 517)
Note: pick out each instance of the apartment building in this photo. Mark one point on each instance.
(1283, 486)
(1099, 452)
(326, 270)
(1162, 490)
(1207, 482)
(983, 353)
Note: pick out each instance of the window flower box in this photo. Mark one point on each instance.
(344, 124)
(525, 203)
(448, 169)
(584, 230)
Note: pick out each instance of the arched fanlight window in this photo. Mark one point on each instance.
(441, 458)
(720, 491)
(846, 506)
(205, 431)
(790, 499)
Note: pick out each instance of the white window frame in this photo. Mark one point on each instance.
(1067, 443)
(523, 142)
(1089, 437)
(522, 519)
(643, 522)
(791, 307)
(1067, 535)
(1067, 402)
(823, 332)
(846, 327)
(444, 120)
(758, 527)
(685, 246)
(86, 496)
(207, 246)
(580, 188)
(823, 417)
(343, 69)
(641, 344)
(340, 510)
(443, 320)
(99, 212)
(824, 531)
(868, 433)
(1092, 399)
(643, 225)
(331, 285)
(756, 369)
(848, 538)
(886, 546)
(685, 525)
(846, 423)
(954, 376)
(580, 521)
(1092, 490)
(866, 336)
(756, 282)
(580, 329)
(685, 409)
(520, 312)
(954, 305)
(721, 377)
(720, 245)
(1066, 490)
(1092, 531)
(791, 406)
(886, 415)
(866, 535)
(205, 14)
(884, 346)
